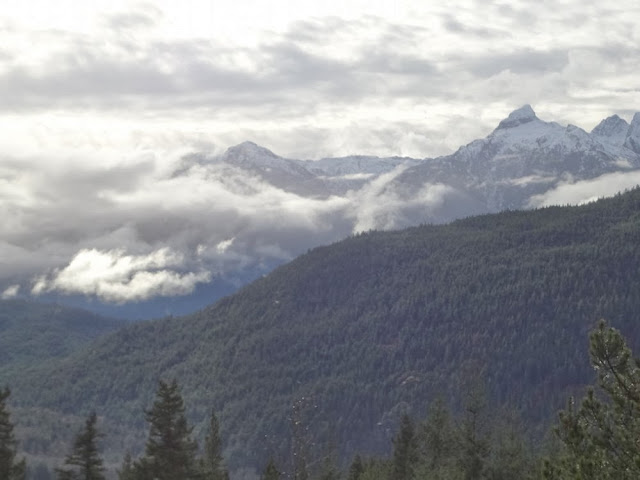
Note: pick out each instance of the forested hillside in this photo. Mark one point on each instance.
(32, 333)
(360, 332)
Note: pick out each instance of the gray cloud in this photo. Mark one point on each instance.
(128, 233)
(525, 61)
(143, 16)
(453, 25)
(103, 188)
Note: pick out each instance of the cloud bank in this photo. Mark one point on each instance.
(98, 110)
(113, 276)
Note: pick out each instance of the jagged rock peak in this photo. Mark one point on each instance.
(524, 114)
(632, 141)
(611, 126)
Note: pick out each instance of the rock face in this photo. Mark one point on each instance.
(612, 130)
(520, 116)
(524, 157)
(632, 140)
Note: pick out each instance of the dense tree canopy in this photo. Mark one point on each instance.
(10, 467)
(84, 462)
(601, 435)
(170, 452)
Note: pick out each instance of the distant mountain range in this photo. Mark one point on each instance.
(524, 163)
(523, 159)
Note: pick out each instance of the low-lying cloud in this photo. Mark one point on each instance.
(97, 114)
(577, 193)
(114, 276)
(130, 233)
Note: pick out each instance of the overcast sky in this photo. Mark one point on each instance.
(307, 78)
(98, 99)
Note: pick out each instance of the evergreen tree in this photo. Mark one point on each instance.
(357, 469)
(405, 451)
(170, 453)
(437, 443)
(511, 457)
(601, 435)
(127, 471)
(10, 469)
(329, 470)
(270, 471)
(473, 438)
(212, 463)
(84, 461)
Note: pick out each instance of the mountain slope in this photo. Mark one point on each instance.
(34, 333)
(376, 324)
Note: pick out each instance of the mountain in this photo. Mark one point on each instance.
(524, 159)
(524, 163)
(307, 178)
(223, 220)
(512, 168)
(35, 333)
(370, 327)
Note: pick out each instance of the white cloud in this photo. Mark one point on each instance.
(576, 193)
(116, 277)
(531, 179)
(334, 69)
(224, 245)
(383, 205)
(102, 99)
(10, 292)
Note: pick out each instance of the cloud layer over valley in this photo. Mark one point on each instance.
(116, 181)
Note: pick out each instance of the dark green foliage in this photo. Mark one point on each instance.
(10, 467)
(127, 470)
(512, 455)
(375, 322)
(170, 452)
(356, 469)
(601, 435)
(438, 443)
(376, 469)
(212, 463)
(473, 437)
(329, 470)
(405, 451)
(271, 471)
(32, 333)
(84, 461)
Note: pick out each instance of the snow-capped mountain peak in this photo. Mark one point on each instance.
(524, 114)
(611, 126)
(612, 130)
